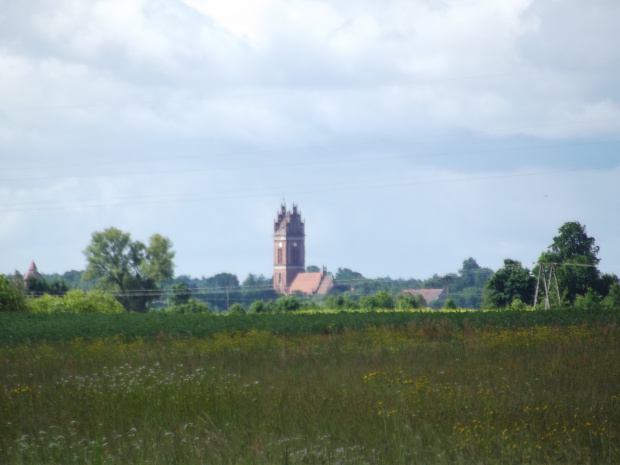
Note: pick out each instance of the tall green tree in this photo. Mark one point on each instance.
(508, 284)
(575, 255)
(131, 269)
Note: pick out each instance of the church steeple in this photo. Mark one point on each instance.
(289, 251)
(32, 272)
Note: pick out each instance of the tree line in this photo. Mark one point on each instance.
(140, 277)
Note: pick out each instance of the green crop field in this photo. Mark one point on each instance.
(529, 387)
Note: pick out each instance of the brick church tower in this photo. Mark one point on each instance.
(289, 250)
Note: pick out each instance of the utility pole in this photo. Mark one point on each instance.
(542, 271)
(447, 279)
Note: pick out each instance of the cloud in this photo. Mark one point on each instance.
(178, 117)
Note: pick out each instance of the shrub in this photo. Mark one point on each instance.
(76, 302)
(450, 305)
(340, 303)
(613, 297)
(192, 306)
(287, 303)
(591, 300)
(381, 300)
(236, 309)
(258, 306)
(518, 305)
(47, 304)
(408, 301)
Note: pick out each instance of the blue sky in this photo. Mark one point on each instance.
(412, 135)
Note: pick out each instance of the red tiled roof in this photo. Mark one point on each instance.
(428, 294)
(308, 283)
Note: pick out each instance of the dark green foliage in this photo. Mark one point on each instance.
(222, 281)
(312, 269)
(576, 253)
(612, 300)
(340, 303)
(258, 306)
(287, 303)
(11, 297)
(131, 269)
(591, 300)
(510, 283)
(181, 294)
(39, 286)
(191, 306)
(381, 300)
(449, 305)
(236, 309)
(408, 301)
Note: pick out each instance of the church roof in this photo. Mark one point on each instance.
(428, 294)
(308, 283)
(32, 272)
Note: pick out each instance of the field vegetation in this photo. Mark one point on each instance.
(373, 387)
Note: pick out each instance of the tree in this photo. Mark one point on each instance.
(131, 269)
(472, 275)
(509, 283)
(39, 286)
(345, 275)
(223, 281)
(181, 294)
(312, 269)
(11, 297)
(575, 256)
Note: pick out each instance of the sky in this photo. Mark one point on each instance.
(411, 134)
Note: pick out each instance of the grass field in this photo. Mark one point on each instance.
(420, 392)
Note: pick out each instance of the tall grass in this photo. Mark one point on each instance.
(17, 329)
(423, 393)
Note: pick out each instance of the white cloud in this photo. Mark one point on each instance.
(260, 100)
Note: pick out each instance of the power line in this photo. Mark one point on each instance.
(310, 189)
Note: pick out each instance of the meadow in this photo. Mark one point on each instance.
(532, 388)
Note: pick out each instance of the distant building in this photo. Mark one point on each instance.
(289, 257)
(428, 294)
(32, 272)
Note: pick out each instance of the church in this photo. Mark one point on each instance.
(289, 257)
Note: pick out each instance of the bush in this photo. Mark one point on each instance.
(408, 301)
(258, 306)
(590, 301)
(236, 309)
(518, 305)
(381, 300)
(340, 303)
(613, 297)
(192, 306)
(287, 303)
(76, 302)
(450, 305)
